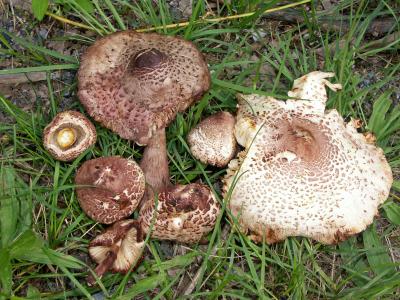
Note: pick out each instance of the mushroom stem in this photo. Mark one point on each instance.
(103, 267)
(155, 162)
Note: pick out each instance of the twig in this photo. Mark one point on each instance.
(22, 77)
(186, 23)
(376, 27)
(381, 43)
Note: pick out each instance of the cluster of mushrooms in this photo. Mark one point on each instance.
(302, 171)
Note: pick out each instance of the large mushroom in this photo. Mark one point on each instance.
(109, 188)
(304, 172)
(135, 84)
(68, 135)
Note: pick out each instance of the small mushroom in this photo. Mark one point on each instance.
(117, 249)
(185, 213)
(109, 188)
(304, 172)
(68, 135)
(135, 83)
(213, 141)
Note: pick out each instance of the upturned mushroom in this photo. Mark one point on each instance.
(213, 141)
(304, 172)
(135, 84)
(117, 249)
(184, 213)
(109, 188)
(68, 135)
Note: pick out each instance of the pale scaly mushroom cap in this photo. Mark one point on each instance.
(68, 135)
(109, 188)
(117, 249)
(135, 83)
(213, 141)
(304, 171)
(185, 213)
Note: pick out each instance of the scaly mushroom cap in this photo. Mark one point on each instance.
(68, 135)
(304, 171)
(118, 248)
(213, 141)
(135, 83)
(185, 213)
(109, 188)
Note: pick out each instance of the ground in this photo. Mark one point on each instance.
(44, 233)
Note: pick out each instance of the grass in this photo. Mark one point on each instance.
(44, 234)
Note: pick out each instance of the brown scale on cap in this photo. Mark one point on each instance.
(185, 213)
(304, 172)
(213, 141)
(135, 84)
(111, 188)
(68, 135)
(117, 249)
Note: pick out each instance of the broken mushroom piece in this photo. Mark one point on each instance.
(109, 188)
(68, 135)
(304, 172)
(135, 84)
(117, 249)
(185, 213)
(213, 141)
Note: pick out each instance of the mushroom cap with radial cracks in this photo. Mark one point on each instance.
(304, 172)
(109, 188)
(135, 83)
(213, 141)
(68, 135)
(184, 213)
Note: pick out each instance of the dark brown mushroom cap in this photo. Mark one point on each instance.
(118, 248)
(114, 188)
(213, 140)
(135, 83)
(82, 135)
(185, 213)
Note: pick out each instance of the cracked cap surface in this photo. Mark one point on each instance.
(135, 83)
(304, 172)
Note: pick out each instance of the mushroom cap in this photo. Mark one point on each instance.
(213, 141)
(185, 213)
(82, 135)
(304, 172)
(110, 188)
(123, 240)
(135, 83)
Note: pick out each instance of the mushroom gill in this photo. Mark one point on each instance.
(304, 172)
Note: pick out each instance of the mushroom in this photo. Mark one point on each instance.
(304, 172)
(213, 141)
(117, 249)
(185, 213)
(68, 135)
(135, 84)
(109, 188)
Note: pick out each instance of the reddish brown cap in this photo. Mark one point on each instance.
(185, 213)
(135, 83)
(68, 135)
(114, 187)
(213, 140)
(118, 248)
